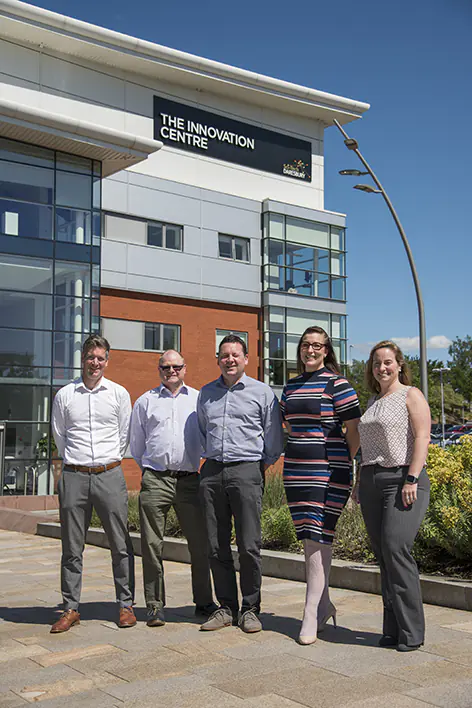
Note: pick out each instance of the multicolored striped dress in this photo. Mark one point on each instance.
(317, 467)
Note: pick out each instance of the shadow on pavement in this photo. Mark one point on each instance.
(290, 627)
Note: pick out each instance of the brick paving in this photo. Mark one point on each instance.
(98, 665)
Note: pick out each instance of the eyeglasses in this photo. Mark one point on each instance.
(306, 346)
(176, 367)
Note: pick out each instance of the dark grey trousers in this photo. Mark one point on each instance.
(160, 491)
(234, 491)
(392, 529)
(79, 492)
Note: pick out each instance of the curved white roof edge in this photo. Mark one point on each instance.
(110, 39)
(81, 128)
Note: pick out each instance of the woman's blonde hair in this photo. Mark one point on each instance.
(404, 375)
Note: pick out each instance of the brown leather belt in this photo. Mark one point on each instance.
(93, 470)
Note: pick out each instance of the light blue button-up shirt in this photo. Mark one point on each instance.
(164, 430)
(241, 423)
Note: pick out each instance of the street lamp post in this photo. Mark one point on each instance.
(352, 144)
(443, 417)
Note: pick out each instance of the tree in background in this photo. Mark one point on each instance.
(460, 362)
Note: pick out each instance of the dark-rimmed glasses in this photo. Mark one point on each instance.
(176, 367)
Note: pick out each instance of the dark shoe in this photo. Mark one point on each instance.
(65, 621)
(206, 610)
(155, 617)
(222, 617)
(406, 647)
(127, 617)
(250, 622)
(386, 640)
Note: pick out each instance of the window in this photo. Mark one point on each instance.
(282, 330)
(221, 333)
(164, 235)
(233, 247)
(160, 337)
(303, 257)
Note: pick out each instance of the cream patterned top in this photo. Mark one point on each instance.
(385, 431)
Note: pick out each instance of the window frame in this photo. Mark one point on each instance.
(161, 326)
(219, 337)
(234, 239)
(164, 226)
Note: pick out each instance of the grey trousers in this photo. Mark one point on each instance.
(392, 529)
(79, 492)
(160, 491)
(234, 491)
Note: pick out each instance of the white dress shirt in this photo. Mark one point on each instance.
(91, 427)
(164, 430)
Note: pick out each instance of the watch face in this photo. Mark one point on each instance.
(411, 479)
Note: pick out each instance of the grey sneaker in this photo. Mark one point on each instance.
(155, 617)
(250, 622)
(222, 617)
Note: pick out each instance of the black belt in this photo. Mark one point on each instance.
(171, 473)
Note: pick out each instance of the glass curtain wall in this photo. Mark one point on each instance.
(283, 328)
(304, 257)
(50, 229)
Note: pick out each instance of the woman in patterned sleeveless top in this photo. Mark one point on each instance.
(317, 466)
(393, 489)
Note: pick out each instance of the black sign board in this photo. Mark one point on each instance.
(199, 131)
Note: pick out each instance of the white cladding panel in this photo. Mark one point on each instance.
(81, 90)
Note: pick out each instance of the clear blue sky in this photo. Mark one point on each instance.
(412, 61)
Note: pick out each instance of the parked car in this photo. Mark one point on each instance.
(454, 439)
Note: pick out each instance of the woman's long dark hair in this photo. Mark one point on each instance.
(330, 361)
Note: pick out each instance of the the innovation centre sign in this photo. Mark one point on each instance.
(195, 130)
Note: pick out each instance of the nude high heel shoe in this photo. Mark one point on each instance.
(331, 613)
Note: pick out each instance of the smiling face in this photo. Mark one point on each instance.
(232, 362)
(385, 367)
(94, 363)
(313, 351)
(172, 370)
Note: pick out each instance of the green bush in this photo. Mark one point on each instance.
(351, 541)
(278, 531)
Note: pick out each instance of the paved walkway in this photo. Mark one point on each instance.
(98, 665)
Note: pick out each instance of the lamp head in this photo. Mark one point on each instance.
(352, 173)
(367, 188)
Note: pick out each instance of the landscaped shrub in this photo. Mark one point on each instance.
(448, 522)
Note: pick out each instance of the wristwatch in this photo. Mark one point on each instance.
(411, 479)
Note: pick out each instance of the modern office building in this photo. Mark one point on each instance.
(158, 197)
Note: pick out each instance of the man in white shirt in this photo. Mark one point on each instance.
(90, 422)
(165, 443)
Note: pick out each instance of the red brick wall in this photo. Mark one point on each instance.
(137, 371)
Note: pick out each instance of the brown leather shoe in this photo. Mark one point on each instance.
(65, 621)
(127, 617)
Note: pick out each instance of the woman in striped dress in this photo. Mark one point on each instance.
(317, 467)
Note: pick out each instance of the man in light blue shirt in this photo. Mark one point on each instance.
(241, 431)
(165, 442)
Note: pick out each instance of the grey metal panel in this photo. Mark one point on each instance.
(297, 302)
(161, 286)
(229, 220)
(213, 197)
(235, 297)
(114, 255)
(192, 240)
(327, 217)
(112, 279)
(128, 230)
(124, 334)
(163, 206)
(114, 196)
(159, 262)
(163, 185)
(226, 273)
(209, 239)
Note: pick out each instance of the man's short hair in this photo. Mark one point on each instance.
(95, 340)
(233, 339)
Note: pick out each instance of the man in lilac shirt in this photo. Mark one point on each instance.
(164, 441)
